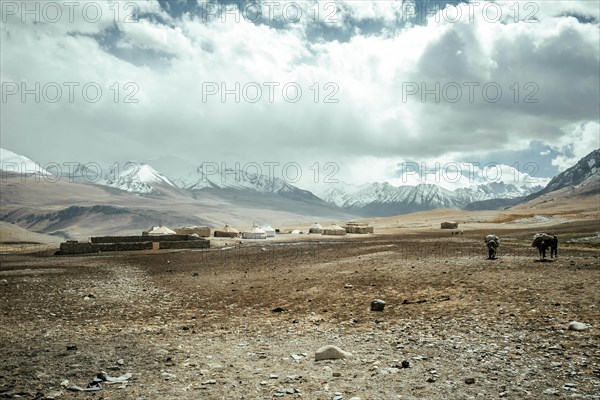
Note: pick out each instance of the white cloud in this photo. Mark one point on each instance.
(375, 122)
(577, 143)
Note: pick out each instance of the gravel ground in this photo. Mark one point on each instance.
(201, 325)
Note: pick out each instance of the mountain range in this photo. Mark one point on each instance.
(86, 198)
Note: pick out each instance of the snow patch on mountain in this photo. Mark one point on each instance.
(13, 162)
(240, 180)
(141, 178)
(419, 197)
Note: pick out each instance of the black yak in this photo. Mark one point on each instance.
(544, 242)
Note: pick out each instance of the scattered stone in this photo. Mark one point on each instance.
(577, 326)
(377, 305)
(195, 274)
(75, 388)
(263, 383)
(209, 382)
(431, 379)
(470, 381)
(337, 374)
(53, 395)
(291, 378)
(405, 364)
(551, 391)
(71, 347)
(4, 282)
(273, 376)
(297, 357)
(120, 361)
(407, 301)
(115, 379)
(279, 309)
(168, 375)
(348, 286)
(331, 353)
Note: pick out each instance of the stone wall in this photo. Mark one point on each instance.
(185, 244)
(83, 248)
(129, 239)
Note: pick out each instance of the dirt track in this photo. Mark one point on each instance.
(199, 325)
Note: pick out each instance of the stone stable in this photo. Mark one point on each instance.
(84, 248)
(133, 243)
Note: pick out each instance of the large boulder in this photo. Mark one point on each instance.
(330, 352)
(377, 305)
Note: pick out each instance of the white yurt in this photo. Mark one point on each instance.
(316, 228)
(161, 230)
(227, 231)
(296, 232)
(334, 229)
(269, 230)
(254, 233)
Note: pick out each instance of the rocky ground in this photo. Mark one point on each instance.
(245, 322)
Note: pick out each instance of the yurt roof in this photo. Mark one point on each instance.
(267, 228)
(336, 227)
(316, 225)
(230, 229)
(161, 230)
(256, 229)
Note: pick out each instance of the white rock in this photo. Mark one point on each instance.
(331, 353)
(577, 326)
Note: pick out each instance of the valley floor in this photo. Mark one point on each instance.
(200, 325)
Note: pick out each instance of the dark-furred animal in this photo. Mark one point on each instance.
(544, 242)
(492, 242)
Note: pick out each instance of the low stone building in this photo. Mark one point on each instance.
(202, 231)
(359, 227)
(449, 225)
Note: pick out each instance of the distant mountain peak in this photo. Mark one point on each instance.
(382, 198)
(13, 162)
(139, 178)
(587, 170)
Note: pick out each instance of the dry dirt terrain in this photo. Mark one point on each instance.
(206, 324)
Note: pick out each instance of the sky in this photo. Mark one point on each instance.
(314, 92)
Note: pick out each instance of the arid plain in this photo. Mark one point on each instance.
(243, 320)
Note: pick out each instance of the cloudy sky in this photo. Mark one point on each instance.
(357, 91)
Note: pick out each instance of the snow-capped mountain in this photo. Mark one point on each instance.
(586, 171)
(231, 179)
(495, 190)
(138, 178)
(382, 199)
(15, 163)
